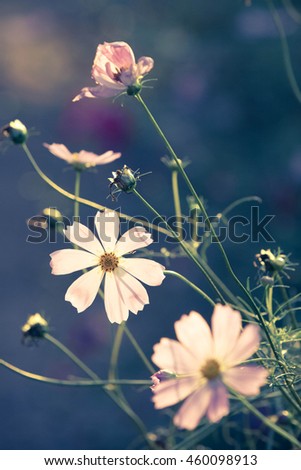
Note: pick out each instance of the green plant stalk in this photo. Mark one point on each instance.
(177, 202)
(81, 200)
(181, 242)
(139, 350)
(77, 194)
(193, 286)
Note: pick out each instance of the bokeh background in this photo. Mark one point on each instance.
(224, 100)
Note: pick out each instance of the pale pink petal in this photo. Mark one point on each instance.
(61, 151)
(133, 293)
(94, 159)
(172, 355)
(118, 52)
(146, 270)
(97, 92)
(132, 240)
(172, 391)
(117, 311)
(246, 380)
(193, 409)
(246, 346)
(103, 74)
(219, 402)
(107, 226)
(226, 328)
(145, 65)
(83, 291)
(194, 333)
(69, 261)
(81, 236)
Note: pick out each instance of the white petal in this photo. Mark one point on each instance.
(146, 270)
(81, 236)
(219, 402)
(193, 409)
(226, 328)
(246, 346)
(69, 261)
(132, 240)
(172, 391)
(246, 380)
(61, 151)
(172, 355)
(94, 159)
(116, 310)
(107, 226)
(83, 291)
(194, 333)
(133, 293)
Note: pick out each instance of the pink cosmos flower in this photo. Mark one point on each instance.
(115, 71)
(82, 159)
(123, 291)
(201, 364)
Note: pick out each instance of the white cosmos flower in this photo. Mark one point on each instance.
(123, 291)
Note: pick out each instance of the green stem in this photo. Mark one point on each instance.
(77, 194)
(181, 242)
(177, 202)
(193, 286)
(115, 351)
(287, 301)
(81, 200)
(139, 350)
(72, 383)
(267, 421)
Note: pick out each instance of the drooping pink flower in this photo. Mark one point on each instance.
(123, 291)
(82, 159)
(205, 363)
(115, 71)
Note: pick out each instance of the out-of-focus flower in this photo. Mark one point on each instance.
(171, 164)
(35, 327)
(122, 291)
(206, 363)
(82, 159)
(16, 131)
(115, 71)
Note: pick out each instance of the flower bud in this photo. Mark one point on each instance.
(35, 327)
(162, 376)
(16, 131)
(124, 180)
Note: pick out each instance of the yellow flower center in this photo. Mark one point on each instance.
(108, 262)
(211, 369)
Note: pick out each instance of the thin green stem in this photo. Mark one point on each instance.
(287, 301)
(77, 194)
(193, 286)
(177, 202)
(139, 350)
(72, 383)
(285, 51)
(81, 200)
(267, 421)
(71, 356)
(115, 351)
(181, 242)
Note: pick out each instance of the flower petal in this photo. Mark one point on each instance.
(81, 236)
(68, 261)
(116, 310)
(145, 65)
(99, 91)
(194, 333)
(219, 402)
(246, 380)
(107, 226)
(193, 409)
(226, 328)
(172, 355)
(118, 52)
(245, 347)
(133, 293)
(132, 240)
(83, 291)
(146, 270)
(93, 159)
(61, 151)
(172, 391)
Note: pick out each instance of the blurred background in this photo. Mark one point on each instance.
(223, 98)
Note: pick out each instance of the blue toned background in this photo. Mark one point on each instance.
(223, 98)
